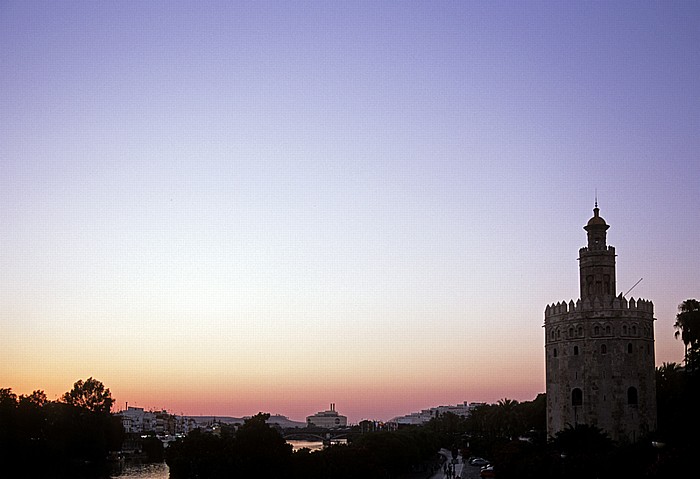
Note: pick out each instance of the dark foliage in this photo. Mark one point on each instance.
(259, 450)
(255, 449)
(152, 447)
(91, 395)
(687, 327)
(40, 438)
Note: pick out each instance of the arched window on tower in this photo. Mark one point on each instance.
(571, 332)
(596, 330)
(576, 397)
(634, 330)
(555, 352)
(608, 331)
(603, 349)
(624, 329)
(552, 335)
(580, 331)
(632, 398)
(575, 350)
(629, 348)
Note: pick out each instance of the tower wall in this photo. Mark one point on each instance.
(597, 272)
(605, 350)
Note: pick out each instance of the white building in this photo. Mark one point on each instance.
(329, 419)
(418, 418)
(133, 419)
(137, 420)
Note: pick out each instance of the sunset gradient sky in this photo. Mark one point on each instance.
(231, 207)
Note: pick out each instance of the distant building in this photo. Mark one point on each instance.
(329, 419)
(600, 351)
(284, 422)
(418, 418)
(133, 419)
(136, 420)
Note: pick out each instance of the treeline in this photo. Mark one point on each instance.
(510, 434)
(70, 437)
(256, 449)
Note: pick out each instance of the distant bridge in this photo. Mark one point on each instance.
(327, 436)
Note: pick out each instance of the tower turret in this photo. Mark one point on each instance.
(597, 260)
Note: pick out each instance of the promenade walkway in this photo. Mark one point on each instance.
(456, 468)
(462, 470)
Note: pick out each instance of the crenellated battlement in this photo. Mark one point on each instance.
(608, 248)
(618, 303)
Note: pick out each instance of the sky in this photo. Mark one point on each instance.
(222, 208)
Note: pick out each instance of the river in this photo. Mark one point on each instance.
(144, 471)
(312, 445)
(160, 471)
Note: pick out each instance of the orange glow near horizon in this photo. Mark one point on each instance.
(370, 393)
(368, 379)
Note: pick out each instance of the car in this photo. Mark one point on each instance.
(487, 471)
(478, 461)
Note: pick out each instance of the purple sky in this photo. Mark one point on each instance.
(272, 194)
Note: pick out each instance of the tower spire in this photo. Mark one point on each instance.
(597, 260)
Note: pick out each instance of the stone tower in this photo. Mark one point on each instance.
(600, 350)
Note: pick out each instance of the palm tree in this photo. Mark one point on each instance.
(507, 417)
(688, 324)
(668, 369)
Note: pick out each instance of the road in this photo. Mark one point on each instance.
(462, 469)
(470, 472)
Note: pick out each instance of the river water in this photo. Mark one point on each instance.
(160, 471)
(144, 471)
(312, 445)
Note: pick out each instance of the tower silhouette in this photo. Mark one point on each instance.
(600, 350)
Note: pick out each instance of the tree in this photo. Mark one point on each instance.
(260, 448)
(255, 449)
(8, 424)
(68, 438)
(584, 450)
(8, 399)
(36, 398)
(90, 395)
(688, 327)
(672, 400)
(507, 418)
(534, 414)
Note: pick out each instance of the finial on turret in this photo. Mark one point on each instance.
(596, 219)
(596, 197)
(595, 209)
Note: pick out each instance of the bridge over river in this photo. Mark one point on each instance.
(326, 436)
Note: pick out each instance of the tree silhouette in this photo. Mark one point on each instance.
(507, 418)
(261, 449)
(585, 450)
(255, 449)
(90, 395)
(688, 327)
(71, 438)
(36, 399)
